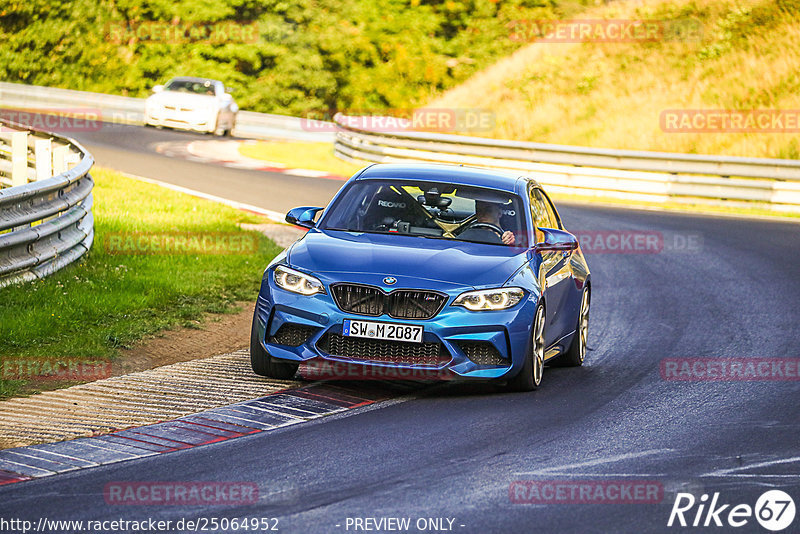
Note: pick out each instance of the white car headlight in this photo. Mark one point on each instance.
(500, 298)
(297, 282)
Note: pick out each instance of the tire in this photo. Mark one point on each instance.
(530, 377)
(219, 130)
(263, 364)
(577, 350)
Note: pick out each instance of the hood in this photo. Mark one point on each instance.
(407, 258)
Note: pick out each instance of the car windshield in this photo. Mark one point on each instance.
(188, 86)
(432, 210)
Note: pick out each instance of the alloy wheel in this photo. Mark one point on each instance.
(538, 346)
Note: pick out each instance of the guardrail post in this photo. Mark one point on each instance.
(19, 158)
(44, 158)
(60, 160)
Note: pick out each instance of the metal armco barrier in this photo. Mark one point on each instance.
(45, 203)
(616, 174)
(129, 110)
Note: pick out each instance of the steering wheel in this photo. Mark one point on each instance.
(487, 226)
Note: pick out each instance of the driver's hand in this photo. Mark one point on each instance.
(508, 238)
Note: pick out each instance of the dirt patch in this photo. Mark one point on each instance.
(214, 335)
(283, 234)
(218, 334)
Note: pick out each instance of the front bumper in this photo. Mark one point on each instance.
(199, 121)
(454, 327)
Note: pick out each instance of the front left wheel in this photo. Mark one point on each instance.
(219, 128)
(265, 365)
(530, 376)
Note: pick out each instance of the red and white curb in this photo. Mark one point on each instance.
(277, 410)
(226, 154)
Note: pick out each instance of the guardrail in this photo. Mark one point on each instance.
(45, 203)
(619, 174)
(130, 110)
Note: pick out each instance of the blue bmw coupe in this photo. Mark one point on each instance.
(466, 272)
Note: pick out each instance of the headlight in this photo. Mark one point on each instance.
(490, 299)
(297, 282)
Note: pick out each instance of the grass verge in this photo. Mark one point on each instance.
(299, 155)
(745, 56)
(111, 298)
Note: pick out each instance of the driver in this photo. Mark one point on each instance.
(489, 213)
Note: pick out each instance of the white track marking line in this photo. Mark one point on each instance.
(273, 215)
(732, 470)
(598, 461)
(597, 475)
(748, 475)
(307, 172)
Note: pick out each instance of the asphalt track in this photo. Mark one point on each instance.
(453, 451)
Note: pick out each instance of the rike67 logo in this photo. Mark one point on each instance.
(774, 510)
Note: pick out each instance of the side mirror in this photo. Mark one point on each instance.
(303, 216)
(556, 240)
(158, 88)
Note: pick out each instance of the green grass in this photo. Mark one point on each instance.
(302, 155)
(611, 95)
(107, 301)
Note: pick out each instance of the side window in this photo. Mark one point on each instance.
(539, 211)
(551, 211)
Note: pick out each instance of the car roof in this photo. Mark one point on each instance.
(192, 79)
(435, 172)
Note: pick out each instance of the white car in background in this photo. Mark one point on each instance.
(187, 103)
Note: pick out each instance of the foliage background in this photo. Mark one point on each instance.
(312, 55)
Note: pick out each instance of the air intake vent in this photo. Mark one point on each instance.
(429, 354)
(482, 352)
(292, 335)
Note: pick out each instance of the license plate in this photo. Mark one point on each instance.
(390, 331)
